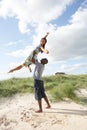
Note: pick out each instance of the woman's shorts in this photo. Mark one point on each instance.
(39, 89)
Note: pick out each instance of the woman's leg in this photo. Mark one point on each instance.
(17, 68)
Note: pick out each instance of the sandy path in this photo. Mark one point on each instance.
(18, 113)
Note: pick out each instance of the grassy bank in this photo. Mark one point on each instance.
(58, 86)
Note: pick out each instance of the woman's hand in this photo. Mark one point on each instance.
(47, 33)
(46, 51)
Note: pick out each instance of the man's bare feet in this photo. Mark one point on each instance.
(39, 111)
(48, 107)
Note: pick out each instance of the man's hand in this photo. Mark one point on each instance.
(33, 60)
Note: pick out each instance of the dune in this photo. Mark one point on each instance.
(18, 113)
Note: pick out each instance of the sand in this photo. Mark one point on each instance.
(18, 113)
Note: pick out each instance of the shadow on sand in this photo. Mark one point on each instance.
(68, 111)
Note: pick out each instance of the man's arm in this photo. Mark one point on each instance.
(33, 54)
(33, 60)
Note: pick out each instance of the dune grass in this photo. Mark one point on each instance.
(65, 86)
(58, 86)
(15, 85)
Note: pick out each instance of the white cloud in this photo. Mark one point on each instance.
(70, 41)
(31, 12)
(66, 42)
(75, 68)
(13, 43)
(22, 52)
(66, 67)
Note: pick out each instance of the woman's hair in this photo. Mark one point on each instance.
(44, 39)
(44, 44)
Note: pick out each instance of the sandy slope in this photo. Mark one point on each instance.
(18, 113)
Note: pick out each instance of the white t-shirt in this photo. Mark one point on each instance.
(38, 71)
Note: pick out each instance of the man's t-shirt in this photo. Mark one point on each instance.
(38, 70)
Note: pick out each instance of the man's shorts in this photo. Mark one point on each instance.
(39, 89)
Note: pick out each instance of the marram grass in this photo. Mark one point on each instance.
(58, 86)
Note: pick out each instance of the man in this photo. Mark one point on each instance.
(39, 84)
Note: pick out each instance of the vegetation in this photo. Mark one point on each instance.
(15, 85)
(59, 86)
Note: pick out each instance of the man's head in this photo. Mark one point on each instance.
(44, 61)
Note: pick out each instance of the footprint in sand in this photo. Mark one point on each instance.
(7, 124)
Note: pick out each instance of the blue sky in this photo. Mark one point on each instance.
(24, 22)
